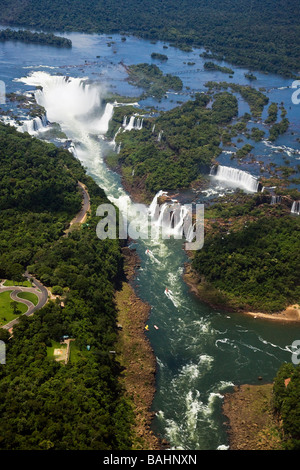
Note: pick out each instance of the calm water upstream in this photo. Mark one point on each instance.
(201, 352)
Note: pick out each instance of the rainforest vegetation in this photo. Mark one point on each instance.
(46, 404)
(258, 34)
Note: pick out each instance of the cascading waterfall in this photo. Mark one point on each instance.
(275, 199)
(235, 177)
(106, 117)
(295, 208)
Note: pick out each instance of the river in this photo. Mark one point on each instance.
(201, 352)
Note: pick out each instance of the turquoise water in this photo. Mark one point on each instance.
(201, 352)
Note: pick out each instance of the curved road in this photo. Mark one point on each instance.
(81, 216)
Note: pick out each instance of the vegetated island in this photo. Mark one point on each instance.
(224, 27)
(158, 56)
(81, 404)
(48, 39)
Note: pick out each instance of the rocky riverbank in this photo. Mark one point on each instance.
(215, 299)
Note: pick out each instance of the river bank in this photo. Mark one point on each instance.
(215, 299)
(252, 424)
(137, 357)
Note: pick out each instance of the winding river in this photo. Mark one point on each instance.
(201, 352)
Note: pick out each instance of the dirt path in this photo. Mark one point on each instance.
(38, 289)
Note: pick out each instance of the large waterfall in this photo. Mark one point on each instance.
(295, 208)
(134, 122)
(235, 177)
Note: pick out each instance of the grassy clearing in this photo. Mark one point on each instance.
(76, 354)
(55, 345)
(6, 310)
(9, 283)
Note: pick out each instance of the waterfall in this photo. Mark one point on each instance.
(105, 118)
(153, 206)
(134, 123)
(114, 143)
(295, 208)
(159, 136)
(130, 125)
(168, 218)
(235, 177)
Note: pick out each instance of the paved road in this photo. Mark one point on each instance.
(38, 289)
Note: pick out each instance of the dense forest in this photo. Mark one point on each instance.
(35, 38)
(286, 401)
(175, 149)
(46, 404)
(251, 254)
(261, 35)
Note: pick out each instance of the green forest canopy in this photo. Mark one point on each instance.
(45, 404)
